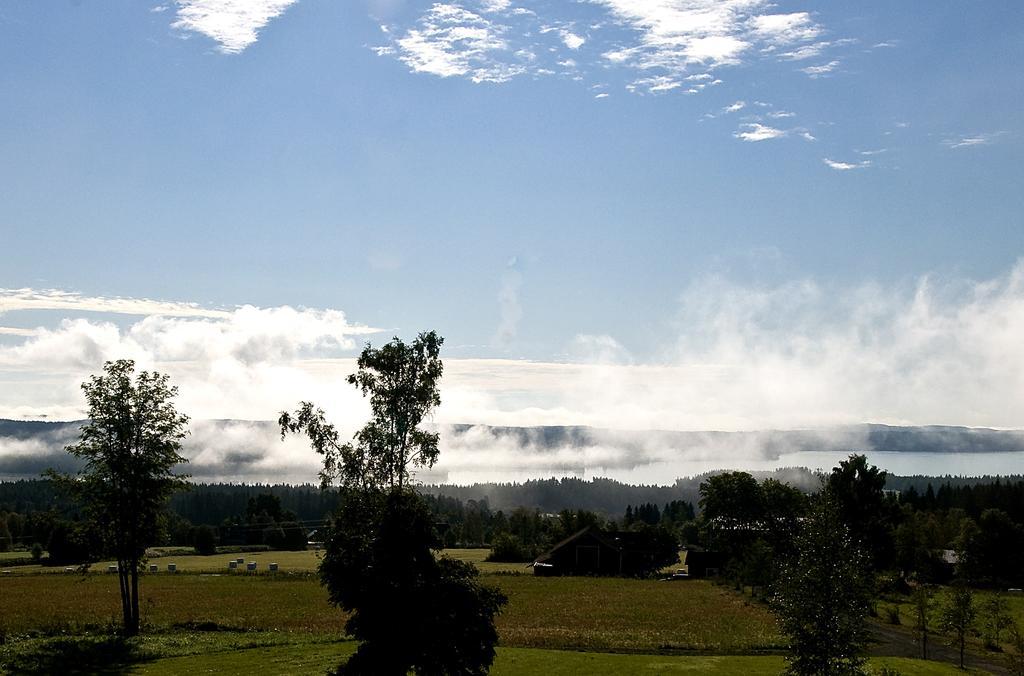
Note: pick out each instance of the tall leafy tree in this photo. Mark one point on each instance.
(402, 384)
(822, 597)
(858, 488)
(958, 614)
(410, 610)
(131, 445)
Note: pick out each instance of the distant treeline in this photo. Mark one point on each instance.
(213, 504)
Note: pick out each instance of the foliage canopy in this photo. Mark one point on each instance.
(131, 446)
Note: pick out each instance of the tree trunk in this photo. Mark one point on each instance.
(133, 630)
(962, 650)
(122, 579)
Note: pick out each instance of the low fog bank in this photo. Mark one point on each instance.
(253, 452)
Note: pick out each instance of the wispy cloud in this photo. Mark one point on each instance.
(510, 307)
(846, 166)
(670, 42)
(785, 29)
(69, 301)
(974, 140)
(735, 107)
(736, 356)
(15, 331)
(452, 41)
(234, 24)
(754, 131)
(821, 70)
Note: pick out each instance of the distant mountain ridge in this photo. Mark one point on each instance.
(245, 450)
(882, 438)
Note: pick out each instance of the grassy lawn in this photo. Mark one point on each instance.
(632, 615)
(227, 623)
(306, 561)
(283, 653)
(1015, 603)
(510, 662)
(570, 613)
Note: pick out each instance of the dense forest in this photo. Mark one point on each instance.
(927, 515)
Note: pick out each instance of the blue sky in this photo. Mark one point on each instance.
(655, 184)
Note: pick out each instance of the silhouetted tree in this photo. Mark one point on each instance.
(863, 506)
(130, 445)
(410, 610)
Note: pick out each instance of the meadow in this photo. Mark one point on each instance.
(207, 619)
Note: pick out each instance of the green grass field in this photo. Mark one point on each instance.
(221, 622)
(276, 653)
(511, 662)
(306, 561)
(568, 613)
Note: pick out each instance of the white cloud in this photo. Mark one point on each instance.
(971, 141)
(821, 70)
(235, 24)
(572, 40)
(602, 95)
(781, 114)
(56, 299)
(754, 131)
(846, 166)
(735, 107)
(666, 40)
(15, 331)
(491, 6)
(803, 52)
(784, 29)
(654, 85)
(452, 41)
(248, 335)
(798, 354)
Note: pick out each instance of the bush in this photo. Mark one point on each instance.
(508, 548)
(892, 614)
(205, 541)
(68, 544)
(37, 552)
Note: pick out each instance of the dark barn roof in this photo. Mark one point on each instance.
(592, 551)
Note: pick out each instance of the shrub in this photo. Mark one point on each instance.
(205, 541)
(508, 548)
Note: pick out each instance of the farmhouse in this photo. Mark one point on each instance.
(702, 563)
(592, 551)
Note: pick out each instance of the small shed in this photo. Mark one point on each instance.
(702, 563)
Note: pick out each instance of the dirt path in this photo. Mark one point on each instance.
(891, 640)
